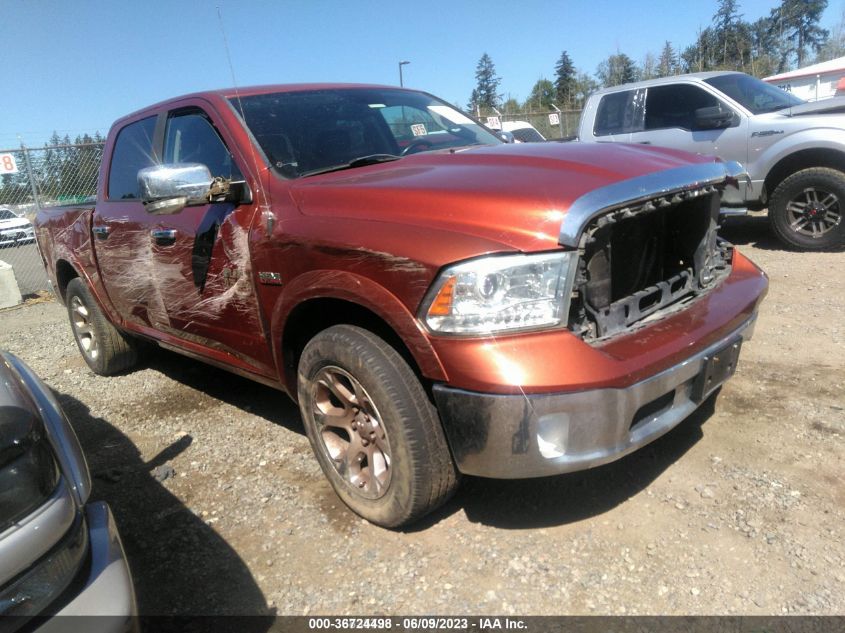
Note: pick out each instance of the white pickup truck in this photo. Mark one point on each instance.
(793, 152)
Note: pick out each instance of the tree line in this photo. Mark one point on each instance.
(64, 169)
(789, 37)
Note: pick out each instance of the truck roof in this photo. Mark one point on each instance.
(666, 80)
(244, 91)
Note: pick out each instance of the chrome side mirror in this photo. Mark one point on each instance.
(171, 188)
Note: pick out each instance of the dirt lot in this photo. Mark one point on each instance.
(738, 510)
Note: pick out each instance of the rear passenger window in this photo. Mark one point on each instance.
(675, 106)
(191, 138)
(133, 150)
(620, 113)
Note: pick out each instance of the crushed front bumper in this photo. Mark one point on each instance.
(533, 435)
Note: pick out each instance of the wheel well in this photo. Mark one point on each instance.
(315, 315)
(803, 160)
(64, 273)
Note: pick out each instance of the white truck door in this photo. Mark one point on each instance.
(670, 121)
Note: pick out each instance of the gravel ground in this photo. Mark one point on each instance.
(739, 510)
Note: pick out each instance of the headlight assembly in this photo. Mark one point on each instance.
(501, 294)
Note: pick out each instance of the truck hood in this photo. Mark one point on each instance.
(513, 195)
(834, 105)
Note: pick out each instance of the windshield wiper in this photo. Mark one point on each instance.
(361, 161)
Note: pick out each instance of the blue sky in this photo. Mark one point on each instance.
(76, 65)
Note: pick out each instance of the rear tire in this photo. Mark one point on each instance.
(373, 429)
(807, 210)
(106, 349)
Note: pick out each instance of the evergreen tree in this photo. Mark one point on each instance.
(727, 27)
(667, 63)
(765, 48)
(565, 80)
(796, 23)
(485, 94)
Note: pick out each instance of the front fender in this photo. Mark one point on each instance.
(830, 138)
(362, 291)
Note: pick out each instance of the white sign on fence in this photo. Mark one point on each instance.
(8, 165)
(494, 123)
(554, 118)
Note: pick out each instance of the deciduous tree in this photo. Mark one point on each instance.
(617, 69)
(542, 96)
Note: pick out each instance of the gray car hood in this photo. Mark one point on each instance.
(834, 105)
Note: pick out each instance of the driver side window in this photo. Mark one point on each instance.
(674, 106)
(191, 138)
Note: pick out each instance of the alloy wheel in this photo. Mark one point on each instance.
(814, 212)
(350, 432)
(83, 328)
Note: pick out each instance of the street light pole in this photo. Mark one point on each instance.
(401, 83)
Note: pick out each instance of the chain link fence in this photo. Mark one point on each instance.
(553, 125)
(30, 179)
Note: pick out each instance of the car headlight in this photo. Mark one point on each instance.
(28, 472)
(501, 293)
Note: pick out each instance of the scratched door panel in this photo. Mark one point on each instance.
(205, 281)
(120, 228)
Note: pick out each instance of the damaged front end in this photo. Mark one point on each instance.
(647, 247)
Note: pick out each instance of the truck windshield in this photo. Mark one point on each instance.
(757, 96)
(312, 131)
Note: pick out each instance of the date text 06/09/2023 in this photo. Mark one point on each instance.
(417, 623)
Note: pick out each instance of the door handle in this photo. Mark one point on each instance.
(102, 232)
(163, 237)
(645, 142)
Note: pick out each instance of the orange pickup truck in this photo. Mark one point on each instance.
(438, 302)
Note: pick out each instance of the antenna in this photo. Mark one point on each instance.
(264, 201)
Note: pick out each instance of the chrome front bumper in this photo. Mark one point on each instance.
(534, 435)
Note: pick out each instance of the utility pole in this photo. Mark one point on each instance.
(31, 175)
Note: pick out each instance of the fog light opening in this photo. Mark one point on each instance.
(552, 435)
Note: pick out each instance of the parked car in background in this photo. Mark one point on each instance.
(59, 553)
(14, 230)
(793, 152)
(437, 301)
(523, 132)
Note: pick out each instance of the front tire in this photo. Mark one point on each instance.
(806, 210)
(372, 427)
(105, 348)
